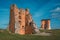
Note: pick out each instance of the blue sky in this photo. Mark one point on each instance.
(39, 9)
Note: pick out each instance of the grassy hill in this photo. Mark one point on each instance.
(5, 35)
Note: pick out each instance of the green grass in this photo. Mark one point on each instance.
(9, 36)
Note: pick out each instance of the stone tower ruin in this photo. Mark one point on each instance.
(21, 21)
(45, 24)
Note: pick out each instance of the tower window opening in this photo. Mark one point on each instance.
(23, 27)
(19, 21)
(19, 17)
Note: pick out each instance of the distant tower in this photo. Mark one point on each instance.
(20, 21)
(45, 24)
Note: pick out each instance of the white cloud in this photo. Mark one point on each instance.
(55, 13)
(56, 10)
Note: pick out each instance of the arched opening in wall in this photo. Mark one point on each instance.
(19, 17)
(23, 27)
(30, 23)
(45, 26)
(20, 22)
(19, 13)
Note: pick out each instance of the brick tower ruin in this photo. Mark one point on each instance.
(21, 21)
(45, 24)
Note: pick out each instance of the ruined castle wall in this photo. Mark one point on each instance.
(28, 21)
(49, 24)
(12, 20)
(16, 15)
(45, 24)
(21, 21)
